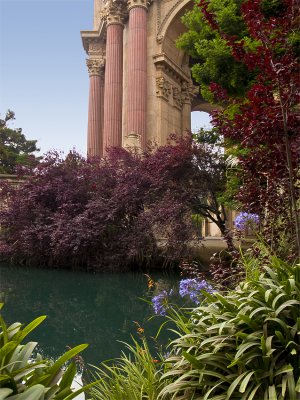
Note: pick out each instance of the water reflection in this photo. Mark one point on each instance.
(80, 308)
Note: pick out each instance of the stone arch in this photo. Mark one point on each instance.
(176, 9)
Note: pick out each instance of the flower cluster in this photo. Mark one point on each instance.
(160, 302)
(192, 288)
(244, 220)
(187, 287)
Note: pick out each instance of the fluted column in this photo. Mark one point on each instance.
(113, 89)
(137, 69)
(96, 103)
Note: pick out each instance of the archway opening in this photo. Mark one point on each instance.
(200, 119)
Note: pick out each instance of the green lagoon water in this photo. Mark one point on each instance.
(98, 309)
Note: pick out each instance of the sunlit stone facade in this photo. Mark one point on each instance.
(140, 83)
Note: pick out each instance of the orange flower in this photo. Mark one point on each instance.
(151, 282)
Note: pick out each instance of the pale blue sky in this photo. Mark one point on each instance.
(43, 76)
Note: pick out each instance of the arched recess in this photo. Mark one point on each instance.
(178, 94)
(178, 8)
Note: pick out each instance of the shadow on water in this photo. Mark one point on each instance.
(98, 309)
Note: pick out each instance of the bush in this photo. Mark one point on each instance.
(242, 345)
(27, 376)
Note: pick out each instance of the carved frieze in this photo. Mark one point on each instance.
(188, 91)
(95, 66)
(177, 97)
(163, 88)
(96, 48)
(168, 67)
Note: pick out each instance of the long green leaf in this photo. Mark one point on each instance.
(6, 349)
(83, 389)
(4, 393)
(245, 382)
(19, 336)
(234, 384)
(52, 371)
(34, 393)
(285, 305)
(68, 376)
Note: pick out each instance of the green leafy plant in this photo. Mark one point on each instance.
(131, 377)
(242, 345)
(25, 375)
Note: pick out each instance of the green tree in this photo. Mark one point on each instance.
(15, 149)
(206, 42)
(211, 57)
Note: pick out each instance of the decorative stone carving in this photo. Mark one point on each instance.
(177, 97)
(96, 50)
(138, 3)
(159, 39)
(114, 12)
(95, 66)
(163, 88)
(132, 142)
(168, 67)
(188, 91)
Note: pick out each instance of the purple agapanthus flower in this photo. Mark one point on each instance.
(192, 288)
(244, 220)
(160, 302)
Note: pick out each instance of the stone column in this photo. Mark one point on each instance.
(137, 69)
(113, 90)
(95, 115)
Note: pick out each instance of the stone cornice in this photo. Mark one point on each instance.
(88, 37)
(165, 64)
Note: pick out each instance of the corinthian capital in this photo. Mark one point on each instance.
(114, 12)
(95, 66)
(138, 3)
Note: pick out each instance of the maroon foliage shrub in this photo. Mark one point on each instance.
(105, 213)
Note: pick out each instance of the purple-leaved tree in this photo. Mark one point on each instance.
(114, 212)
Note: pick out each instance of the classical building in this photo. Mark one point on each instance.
(140, 83)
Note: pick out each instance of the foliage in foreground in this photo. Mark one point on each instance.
(131, 377)
(26, 375)
(243, 345)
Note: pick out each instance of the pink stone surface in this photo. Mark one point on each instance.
(95, 117)
(112, 129)
(137, 73)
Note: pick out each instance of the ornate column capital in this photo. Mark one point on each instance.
(114, 12)
(95, 66)
(138, 3)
